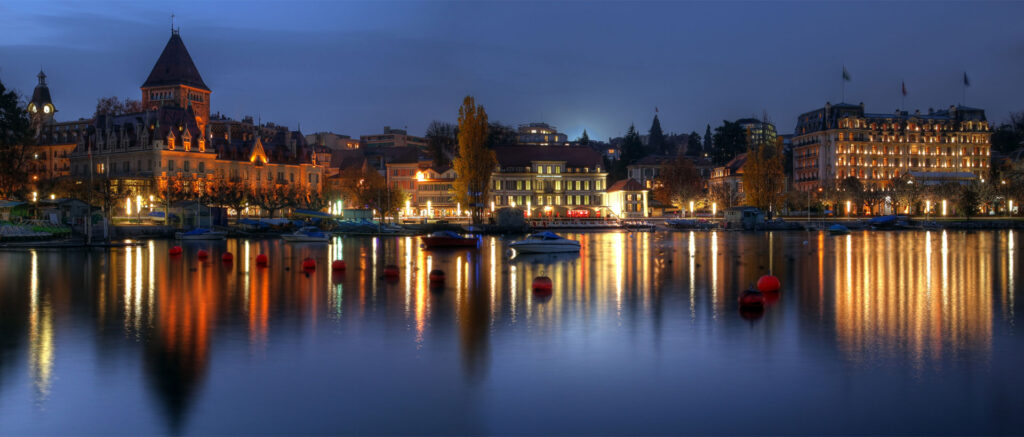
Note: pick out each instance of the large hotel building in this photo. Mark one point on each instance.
(839, 141)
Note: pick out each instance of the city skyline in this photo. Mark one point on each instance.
(368, 83)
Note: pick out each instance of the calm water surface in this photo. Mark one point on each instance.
(895, 333)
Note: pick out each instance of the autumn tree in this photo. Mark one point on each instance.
(763, 176)
(725, 194)
(693, 147)
(15, 138)
(969, 199)
(114, 106)
(475, 163)
(679, 183)
(229, 194)
(171, 190)
(905, 194)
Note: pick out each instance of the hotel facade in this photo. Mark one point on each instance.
(842, 140)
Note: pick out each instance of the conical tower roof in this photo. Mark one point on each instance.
(175, 67)
(41, 95)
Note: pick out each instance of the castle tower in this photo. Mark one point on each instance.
(175, 81)
(41, 108)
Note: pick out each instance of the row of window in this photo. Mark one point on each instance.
(574, 185)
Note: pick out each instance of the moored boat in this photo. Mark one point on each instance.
(201, 234)
(441, 239)
(307, 234)
(545, 242)
(838, 230)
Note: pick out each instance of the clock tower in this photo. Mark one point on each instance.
(40, 108)
(175, 81)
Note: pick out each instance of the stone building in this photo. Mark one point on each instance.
(842, 140)
(542, 179)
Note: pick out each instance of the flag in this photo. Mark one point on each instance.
(655, 109)
(904, 88)
(966, 82)
(846, 74)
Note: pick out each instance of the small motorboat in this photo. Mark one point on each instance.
(545, 242)
(307, 234)
(449, 239)
(838, 230)
(200, 234)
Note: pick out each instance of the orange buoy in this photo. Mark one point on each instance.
(542, 284)
(338, 264)
(176, 250)
(227, 257)
(768, 283)
(261, 260)
(202, 254)
(309, 264)
(436, 276)
(391, 271)
(751, 299)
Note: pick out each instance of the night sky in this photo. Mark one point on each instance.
(352, 67)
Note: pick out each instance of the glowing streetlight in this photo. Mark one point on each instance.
(458, 209)
(529, 206)
(943, 207)
(714, 209)
(492, 206)
(408, 208)
(847, 207)
(53, 196)
(430, 210)
(691, 208)
(35, 196)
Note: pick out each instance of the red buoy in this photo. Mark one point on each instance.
(202, 254)
(542, 284)
(751, 299)
(227, 257)
(338, 264)
(261, 260)
(391, 271)
(436, 276)
(768, 283)
(176, 250)
(309, 264)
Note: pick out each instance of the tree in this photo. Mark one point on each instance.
(15, 138)
(498, 135)
(707, 140)
(830, 194)
(763, 177)
(313, 200)
(632, 146)
(656, 138)
(730, 140)
(852, 190)
(225, 193)
(969, 199)
(679, 183)
(906, 194)
(1009, 135)
(114, 106)
(693, 145)
(725, 194)
(442, 138)
(584, 139)
(475, 163)
(273, 198)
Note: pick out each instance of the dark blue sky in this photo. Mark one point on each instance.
(354, 67)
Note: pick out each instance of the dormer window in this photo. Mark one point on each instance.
(202, 145)
(170, 142)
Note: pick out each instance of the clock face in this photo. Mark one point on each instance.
(46, 109)
(32, 108)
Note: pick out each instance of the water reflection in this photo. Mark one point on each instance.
(924, 301)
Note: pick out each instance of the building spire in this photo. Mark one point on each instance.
(41, 76)
(172, 23)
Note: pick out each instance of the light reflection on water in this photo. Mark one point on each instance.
(870, 306)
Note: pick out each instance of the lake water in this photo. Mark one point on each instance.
(895, 333)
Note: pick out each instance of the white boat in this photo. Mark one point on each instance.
(201, 234)
(545, 242)
(307, 234)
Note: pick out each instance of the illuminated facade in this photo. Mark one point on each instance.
(174, 137)
(54, 141)
(841, 140)
(540, 134)
(545, 178)
(627, 199)
(392, 138)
